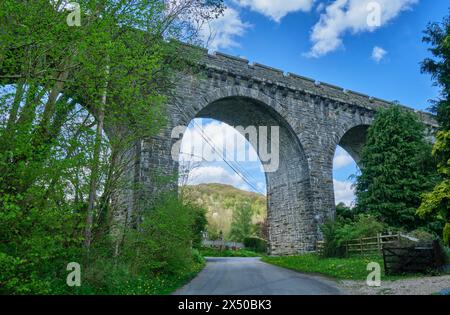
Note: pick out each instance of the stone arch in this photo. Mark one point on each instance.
(292, 227)
(353, 141)
(199, 102)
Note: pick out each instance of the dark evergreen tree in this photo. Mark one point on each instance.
(396, 169)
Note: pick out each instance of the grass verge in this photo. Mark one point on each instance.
(352, 268)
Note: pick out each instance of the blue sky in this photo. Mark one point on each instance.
(332, 42)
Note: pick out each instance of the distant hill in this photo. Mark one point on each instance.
(221, 200)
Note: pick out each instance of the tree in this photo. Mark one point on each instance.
(241, 225)
(395, 169)
(437, 202)
(344, 212)
(438, 36)
(199, 224)
(262, 229)
(62, 89)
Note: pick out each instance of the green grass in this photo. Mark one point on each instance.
(352, 268)
(211, 252)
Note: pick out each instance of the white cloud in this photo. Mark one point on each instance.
(220, 175)
(276, 9)
(320, 7)
(341, 159)
(351, 16)
(196, 152)
(224, 137)
(214, 174)
(378, 54)
(344, 192)
(221, 33)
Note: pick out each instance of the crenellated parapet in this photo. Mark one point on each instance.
(279, 84)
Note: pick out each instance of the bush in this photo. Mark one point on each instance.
(337, 233)
(441, 258)
(199, 223)
(332, 246)
(446, 234)
(163, 242)
(422, 235)
(197, 256)
(364, 226)
(256, 244)
(213, 252)
(344, 212)
(36, 245)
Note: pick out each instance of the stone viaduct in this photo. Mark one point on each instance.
(313, 117)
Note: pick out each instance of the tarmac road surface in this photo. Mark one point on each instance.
(250, 276)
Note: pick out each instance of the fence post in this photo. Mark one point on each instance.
(361, 245)
(379, 241)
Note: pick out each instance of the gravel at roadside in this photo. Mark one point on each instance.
(413, 286)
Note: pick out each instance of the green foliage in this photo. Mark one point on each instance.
(110, 276)
(199, 224)
(197, 256)
(211, 252)
(221, 202)
(396, 169)
(344, 212)
(364, 226)
(446, 234)
(241, 226)
(62, 88)
(436, 204)
(163, 241)
(256, 244)
(332, 244)
(337, 233)
(33, 244)
(438, 36)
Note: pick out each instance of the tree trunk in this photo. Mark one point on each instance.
(96, 165)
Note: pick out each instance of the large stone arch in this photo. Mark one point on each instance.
(348, 131)
(292, 227)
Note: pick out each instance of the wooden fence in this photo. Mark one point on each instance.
(366, 244)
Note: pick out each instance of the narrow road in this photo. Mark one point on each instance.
(250, 276)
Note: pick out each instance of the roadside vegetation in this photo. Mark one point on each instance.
(350, 268)
(62, 168)
(353, 268)
(213, 252)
